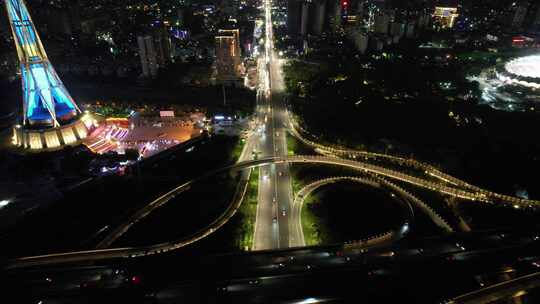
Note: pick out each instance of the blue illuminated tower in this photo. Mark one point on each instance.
(51, 119)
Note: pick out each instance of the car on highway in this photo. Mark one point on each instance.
(274, 220)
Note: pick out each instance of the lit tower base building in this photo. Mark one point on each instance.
(51, 119)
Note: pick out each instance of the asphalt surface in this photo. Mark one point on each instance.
(275, 191)
(426, 270)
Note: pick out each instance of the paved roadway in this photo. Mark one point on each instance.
(94, 255)
(123, 227)
(505, 290)
(402, 198)
(479, 193)
(375, 182)
(469, 259)
(275, 191)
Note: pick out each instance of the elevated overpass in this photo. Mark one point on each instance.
(130, 252)
(412, 269)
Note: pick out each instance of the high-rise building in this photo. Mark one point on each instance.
(163, 47)
(304, 18)
(294, 16)
(147, 54)
(316, 16)
(391, 13)
(155, 52)
(63, 17)
(334, 15)
(358, 6)
(180, 17)
(382, 22)
(299, 22)
(360, 39)
(424, 20)
(445, 17)
(75, 15)
(355, 13)
(524, 16)
(228, 56)
(51, 119)
(537, 16)
(410, 30)
(397, 29)
(519, 15)
(536, 22)
(531, 21)
(377, 42)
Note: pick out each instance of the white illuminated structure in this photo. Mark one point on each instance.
(528, 66)
(524, 71)
(4, 203)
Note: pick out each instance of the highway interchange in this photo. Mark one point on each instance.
(399, 231)
(274, 183)
(131, 252)
(482, 267)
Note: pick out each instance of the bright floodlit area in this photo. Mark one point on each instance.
(515, 88)
(528, 66)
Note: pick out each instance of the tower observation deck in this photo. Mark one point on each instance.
(50, 118)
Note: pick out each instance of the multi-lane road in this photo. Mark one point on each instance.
(274, 216)
(306, 275)
(275, 191)
(93, 255)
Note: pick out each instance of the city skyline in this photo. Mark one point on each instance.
(269, 151)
